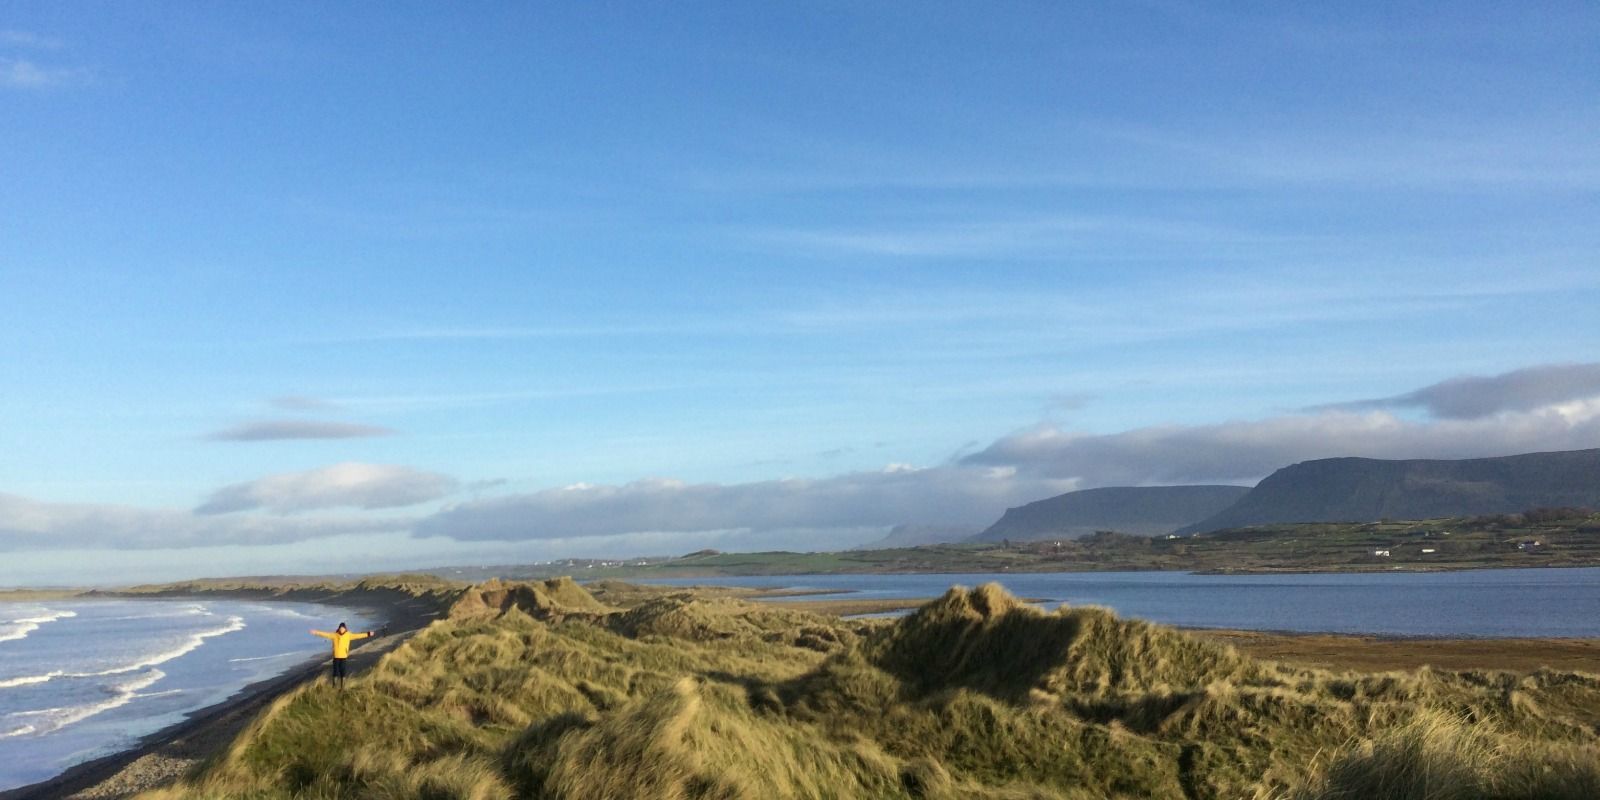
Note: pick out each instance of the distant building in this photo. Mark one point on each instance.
(1427, 550)
(1383, 553)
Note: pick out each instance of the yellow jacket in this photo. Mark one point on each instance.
(341, 641)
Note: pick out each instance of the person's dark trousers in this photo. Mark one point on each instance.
(338, 672)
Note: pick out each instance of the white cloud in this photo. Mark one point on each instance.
(350, 484)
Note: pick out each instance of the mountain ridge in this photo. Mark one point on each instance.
(1144, 510)
(1353, 489)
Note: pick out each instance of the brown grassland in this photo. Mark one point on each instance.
(549, 690)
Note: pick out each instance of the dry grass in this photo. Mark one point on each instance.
(1438, 756)
(543, 691)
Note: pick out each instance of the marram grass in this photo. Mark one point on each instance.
(544, 690)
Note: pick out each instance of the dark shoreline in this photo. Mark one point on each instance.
(207, 731)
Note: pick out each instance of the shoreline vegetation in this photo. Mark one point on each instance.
(1543, 538)
(552, 689)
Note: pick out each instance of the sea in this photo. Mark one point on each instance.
(84, 678)
(1490, 603)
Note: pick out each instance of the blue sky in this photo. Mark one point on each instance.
(381, 282)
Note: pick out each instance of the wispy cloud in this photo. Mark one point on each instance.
(296, 402)
(446, 333)
(369, 486)
(16, 39)
(1045, 236)
(1424, 154)
(290, 429)
(22, 73)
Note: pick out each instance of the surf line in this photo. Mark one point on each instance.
(55, 719)
(193, 643)
(27, 625)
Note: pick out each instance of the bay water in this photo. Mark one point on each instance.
(1516, 603)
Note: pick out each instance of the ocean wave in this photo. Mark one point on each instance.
(189, 645)
(29, 679)
(192, 610)
(289, 612)
(300, 653)
(54, 719)
(14, 629)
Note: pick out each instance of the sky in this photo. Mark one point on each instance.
(343, 288)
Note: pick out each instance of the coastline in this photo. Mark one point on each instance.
(160, 756)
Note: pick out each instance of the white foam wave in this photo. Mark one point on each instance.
(22, 731)
(12, 630)
(292, 613)
(189, 645)
(26, 680)
(300, 653)
(54, 719)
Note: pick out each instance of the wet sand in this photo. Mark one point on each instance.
(1382, 654)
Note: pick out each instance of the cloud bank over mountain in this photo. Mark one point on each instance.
(1547, 408)
(1477, 396)
(869, 500)
(1552, 407)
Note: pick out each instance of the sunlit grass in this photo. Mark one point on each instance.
(547, 691)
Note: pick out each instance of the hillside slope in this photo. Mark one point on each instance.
(1367, 489)
(1146, 510)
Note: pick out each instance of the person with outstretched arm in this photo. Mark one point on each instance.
(341, 637)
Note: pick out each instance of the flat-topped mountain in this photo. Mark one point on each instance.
(1367, 489)
(1146, 510)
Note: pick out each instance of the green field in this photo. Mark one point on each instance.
(1564, 540)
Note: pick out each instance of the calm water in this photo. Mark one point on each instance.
(1476, 603)
(79, 679)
